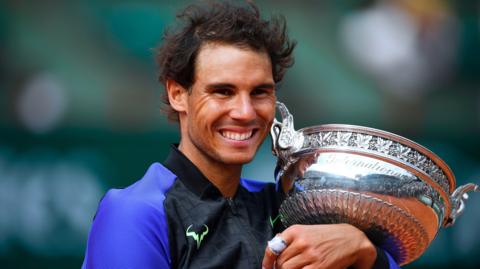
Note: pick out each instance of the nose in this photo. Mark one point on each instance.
(243, 108)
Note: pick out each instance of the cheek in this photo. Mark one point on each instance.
(205, 114)
(267, 113)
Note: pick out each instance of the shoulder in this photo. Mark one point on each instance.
(133, 216)
(139, 203)
(144, 197)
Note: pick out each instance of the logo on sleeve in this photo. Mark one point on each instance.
(197, 235)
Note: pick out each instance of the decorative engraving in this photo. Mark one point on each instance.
(381, 145)
(373, 143)
(419, 159)
(286, 138)
(325, 138)
(353, 140)
(343, 138)
(363, 141)
(403, 152)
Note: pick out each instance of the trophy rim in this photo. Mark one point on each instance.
(429, 179)
(390, 136)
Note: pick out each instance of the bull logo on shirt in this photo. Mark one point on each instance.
(198, 237)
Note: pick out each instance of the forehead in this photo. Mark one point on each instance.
(219, 61)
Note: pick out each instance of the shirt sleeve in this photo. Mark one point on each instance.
(127, 233)
(384, 260)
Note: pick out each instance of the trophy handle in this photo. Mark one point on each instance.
(285, 140)
(458, 198)
(275, 131)
(283, 133)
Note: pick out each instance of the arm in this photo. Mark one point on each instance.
(326, 246)
(127, 234)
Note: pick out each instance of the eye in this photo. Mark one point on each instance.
(262, 91)
(223, 91)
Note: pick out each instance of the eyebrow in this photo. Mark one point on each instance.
(220, 86)
(229, 85)
(265, 86)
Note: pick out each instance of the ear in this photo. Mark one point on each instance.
(177, 95)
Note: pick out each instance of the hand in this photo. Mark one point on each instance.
(323, 246)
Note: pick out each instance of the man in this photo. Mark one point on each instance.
(220, 70)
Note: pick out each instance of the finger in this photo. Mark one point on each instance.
(298, 261)
(315, 266)
(289, 234)
(268, 259)
(295, 246)
(291, 251)
(274, 248)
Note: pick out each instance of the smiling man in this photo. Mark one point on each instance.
(227, 112)
(220, 69)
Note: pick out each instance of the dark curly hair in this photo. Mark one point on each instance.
(238, 24)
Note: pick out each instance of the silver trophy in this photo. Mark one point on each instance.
(395, 190)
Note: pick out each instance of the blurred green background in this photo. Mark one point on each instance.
(80, 108)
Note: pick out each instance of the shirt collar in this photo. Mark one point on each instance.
(189, 174)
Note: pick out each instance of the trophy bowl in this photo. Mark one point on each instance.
(396, 191)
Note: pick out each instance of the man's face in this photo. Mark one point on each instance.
(231, 105)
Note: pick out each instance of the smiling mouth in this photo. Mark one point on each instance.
(238, 136)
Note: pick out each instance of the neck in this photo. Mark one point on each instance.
(223, 176)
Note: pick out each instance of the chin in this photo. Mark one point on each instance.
(240, 160)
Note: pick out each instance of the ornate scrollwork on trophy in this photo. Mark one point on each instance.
(379, 145)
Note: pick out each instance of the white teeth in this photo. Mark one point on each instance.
(237, 136)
